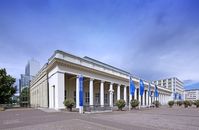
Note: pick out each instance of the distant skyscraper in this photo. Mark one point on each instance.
(31, 70)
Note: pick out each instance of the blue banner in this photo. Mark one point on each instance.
(149, 90)
(132, 87)
(176, 95)
(180, 97)
(156, 94)
(141, 87)
(81, 91)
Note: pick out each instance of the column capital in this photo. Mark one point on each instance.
(102, 81)
(91, 79)
(118, 85)
(111, 83)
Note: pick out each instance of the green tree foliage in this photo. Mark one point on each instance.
(171, 103)
(69, 103)
(6, 87)
(24, 96)
(134, 103)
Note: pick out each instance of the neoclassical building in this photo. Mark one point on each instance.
(103, 84)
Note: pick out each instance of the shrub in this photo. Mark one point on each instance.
(120, 104)
(190, 103)
(134, 103)
(179, 103)
(196, 103)
(69, 103)
(171, 103)
(156, 103)
(186, 103)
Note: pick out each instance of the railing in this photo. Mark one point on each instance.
(89, 108)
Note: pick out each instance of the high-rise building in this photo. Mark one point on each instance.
(31, 70)
(175, 85)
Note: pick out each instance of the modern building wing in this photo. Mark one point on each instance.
(103, 84)
(192, 94)
(175, 85)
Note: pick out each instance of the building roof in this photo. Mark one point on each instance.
(105, 65)
(192, 89)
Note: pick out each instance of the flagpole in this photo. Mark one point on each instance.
(129, 93)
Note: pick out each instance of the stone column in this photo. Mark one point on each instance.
(118, 92)
(91, 92)
(135, 94)
(102, 93)
(125, 98)
(143, 99)
(147, 98)
(111, 95)
(77, 92)
(139, 98)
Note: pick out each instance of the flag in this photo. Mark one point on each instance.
(141, 87)
(156, 94)
(132, 87)
(180, 97)
(81, 91)
(149, 90)
(176, 96)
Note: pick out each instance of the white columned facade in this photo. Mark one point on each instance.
(77, 92)
(111, 95)
(91, 92)
(125, 97)
(118, 92)
(102, 93)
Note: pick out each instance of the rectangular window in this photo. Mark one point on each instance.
(97, 98)
(106, 98)
(87, 97)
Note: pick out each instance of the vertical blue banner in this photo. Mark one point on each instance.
(180, 97)
(132, 87)
(156, 94)
(81, 91)
(141, 87)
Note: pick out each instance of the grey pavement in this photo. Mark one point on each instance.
(164, 118)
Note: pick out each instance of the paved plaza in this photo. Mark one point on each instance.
(164, 118)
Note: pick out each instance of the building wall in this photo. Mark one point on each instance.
(39, 91)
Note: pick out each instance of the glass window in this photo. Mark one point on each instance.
(106, 98)
(87, 97)
(97, 98)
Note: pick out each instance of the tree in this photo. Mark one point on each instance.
(6, 87)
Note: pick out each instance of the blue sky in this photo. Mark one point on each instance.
(152, 39)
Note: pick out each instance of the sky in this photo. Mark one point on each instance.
(152, 39)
